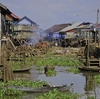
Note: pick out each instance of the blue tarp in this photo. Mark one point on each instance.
(57, 35)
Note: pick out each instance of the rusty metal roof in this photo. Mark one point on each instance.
(15, 16)
(57, 28)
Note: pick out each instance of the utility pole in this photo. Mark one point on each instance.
(96, 25)
(97, 17)
(0, 35)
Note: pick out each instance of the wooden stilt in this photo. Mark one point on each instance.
(7, 69)
(8, 73)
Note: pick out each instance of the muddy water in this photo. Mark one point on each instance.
(83, 81)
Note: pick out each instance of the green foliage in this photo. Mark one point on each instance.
(11, 97)
(55, 94)
(25, 83)
(58, 61)
(51, 73)
(97, 79)
(20, 64)
(74, 70)
(2, 84)
(90, 97)
(11, 92)
(46, 60)
(39, 68)
(5, 89)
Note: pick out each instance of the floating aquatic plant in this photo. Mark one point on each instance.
(97, 79)
(74, 70)
(55, 94)
(25, 83)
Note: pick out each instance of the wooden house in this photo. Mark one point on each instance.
(54, 35)
(5, 68)
(53, 32)
(10, 20)
(7, 18)
(72, 33)
(70, 30)
(83, 29)
(57, 28)
(25, 28)
(3, 11)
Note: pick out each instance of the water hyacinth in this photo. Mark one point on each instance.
(97, 79)
(58, 61)
(55, 94)
(25, 83)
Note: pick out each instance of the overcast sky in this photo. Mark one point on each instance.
(47, 13)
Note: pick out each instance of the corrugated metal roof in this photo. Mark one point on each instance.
(85, 26)
(1, 5)
(4, 9)
(71, 27)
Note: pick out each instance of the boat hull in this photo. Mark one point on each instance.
(43, 89)
(22, 70)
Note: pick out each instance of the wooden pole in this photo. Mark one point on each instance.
(96, 25)
(97, 18)
(7, 68)
(0, 35)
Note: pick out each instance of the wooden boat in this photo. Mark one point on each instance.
(44, 88)
(90, 68)
(22, 70)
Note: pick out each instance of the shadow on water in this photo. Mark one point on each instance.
(83, 81)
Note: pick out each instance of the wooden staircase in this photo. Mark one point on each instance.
(94, 62)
